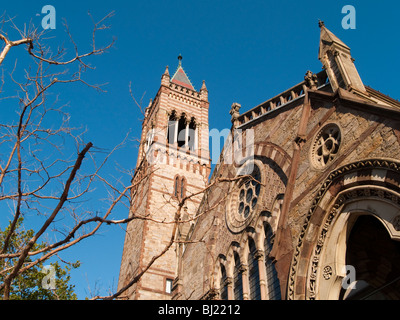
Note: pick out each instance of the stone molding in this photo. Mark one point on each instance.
(386, 164)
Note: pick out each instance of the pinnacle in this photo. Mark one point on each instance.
(180, 76)
(203, 87)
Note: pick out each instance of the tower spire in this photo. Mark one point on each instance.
(180, 76)
(336, 59)
(166, 72)
(165, 77)
(204, 91)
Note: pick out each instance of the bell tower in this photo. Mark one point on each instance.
(173, 163)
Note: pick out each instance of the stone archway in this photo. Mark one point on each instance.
(352, 240)
(376, 261)
(368, 187)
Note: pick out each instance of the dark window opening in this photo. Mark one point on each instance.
(171, 139)
(273, 286)
(254, 276)
(192, 135)
(223, 284)
(237, 279)
(176, 184)
(179, 187)
(181, 131)
(183, 187)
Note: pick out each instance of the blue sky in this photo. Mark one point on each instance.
(246, 51)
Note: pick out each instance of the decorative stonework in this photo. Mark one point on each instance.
(327, 272)
(311, 80)
(364, 192)
(396, 223)
(326, 145)
(235, 113)
(244, 200)
(248, 194)
(342, 199)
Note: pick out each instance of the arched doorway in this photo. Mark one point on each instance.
(360, 243)
(375, 259)
(326, 247)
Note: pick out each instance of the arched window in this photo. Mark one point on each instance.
(223, 284)
(179, 187)
(149, 138)
(171, 133)
(176, 186)
(273, 287)
(183, 187)
(254, 275)
(237, 279)
(181, 131)
(192, 135)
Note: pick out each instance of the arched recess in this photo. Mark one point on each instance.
(266, 152)
(375, 258)
(220, 278)
(275, 153)
(365, 188)
(328, 271)
(234, 272)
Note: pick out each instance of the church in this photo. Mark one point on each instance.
(303, 204)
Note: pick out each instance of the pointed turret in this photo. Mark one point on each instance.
(203, 86)
(204, 91)
(180, 76)
(327, 38)
(336, 59)
(165, 77)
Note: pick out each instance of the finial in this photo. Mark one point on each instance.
(180, 59)
(204, 92)
(165, 78)
(321, 23)
(203, 87)
(166, 72)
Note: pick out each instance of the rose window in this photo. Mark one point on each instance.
(245, 197)
(248, 194)
(326, 145)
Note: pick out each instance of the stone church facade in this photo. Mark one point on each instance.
(313, 207)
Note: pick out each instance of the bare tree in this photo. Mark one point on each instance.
(36, 174)
(179, 219)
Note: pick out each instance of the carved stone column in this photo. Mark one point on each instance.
(229, 287)
(244, 270)
(259, 255)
